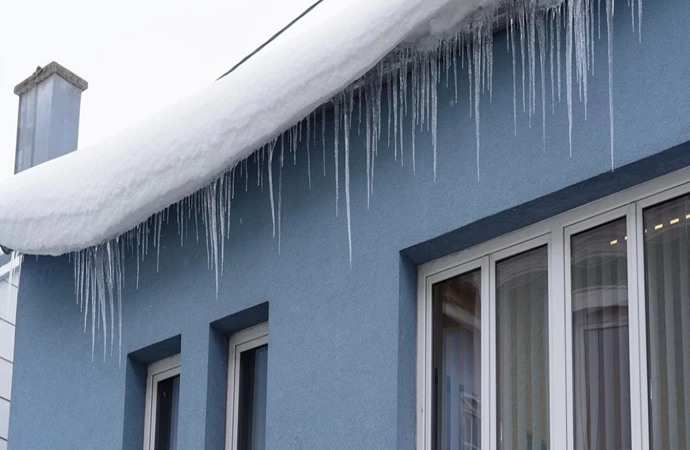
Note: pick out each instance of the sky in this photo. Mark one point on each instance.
(137, 55)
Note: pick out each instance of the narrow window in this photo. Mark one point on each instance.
(247, 386)
(162, 404)
(601, 358)
(667, 279)
(457, 357)
(522, 351)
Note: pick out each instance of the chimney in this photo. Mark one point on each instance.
(48, 122)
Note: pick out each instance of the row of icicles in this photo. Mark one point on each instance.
(410, 78)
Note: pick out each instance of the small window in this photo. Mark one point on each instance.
(162, 404)
(247, 376)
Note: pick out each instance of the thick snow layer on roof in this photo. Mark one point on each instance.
(95, 194)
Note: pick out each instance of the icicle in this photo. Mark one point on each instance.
(434, 107)
(521, 26)
(368, 138)
(360, 88)
(293, 144)
(477, 56)
(280, 195)
(541, 34)
(609, 28)
(336, 135)
(558, 47)
(270, 185)
(639, 19)
(308, 150)
(347, 116)
(389, 98)
(569, 71)
(551, 33)
(323, 136)
(531, 54)
(511, 41)
(415, 105)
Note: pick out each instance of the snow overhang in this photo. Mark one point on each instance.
(98, 193)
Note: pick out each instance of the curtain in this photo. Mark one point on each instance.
(457, 363)
(601, 363)
(667, 281)
(522, 351)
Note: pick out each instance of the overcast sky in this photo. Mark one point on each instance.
(137, 55)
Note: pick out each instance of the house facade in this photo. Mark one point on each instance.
(542, 305)
(8, 310)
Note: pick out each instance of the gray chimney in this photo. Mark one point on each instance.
(48, 122)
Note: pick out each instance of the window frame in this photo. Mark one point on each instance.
(159, 371)
(554, 232)
(239, 343)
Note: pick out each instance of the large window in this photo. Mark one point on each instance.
(247, 384)
(667, 288)
(571, 334)
(162, 404)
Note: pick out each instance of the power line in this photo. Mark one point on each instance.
(271, 39)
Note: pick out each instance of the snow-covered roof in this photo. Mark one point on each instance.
(111, 199)
(95, 194)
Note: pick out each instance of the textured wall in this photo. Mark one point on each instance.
(342, 341)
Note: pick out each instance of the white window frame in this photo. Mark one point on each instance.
(555, 233)
(239, 343)
(157, 372)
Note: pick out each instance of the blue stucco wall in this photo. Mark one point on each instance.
(342, 341)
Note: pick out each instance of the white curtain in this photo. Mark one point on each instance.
(601, 364)
(522, 351)
(667, 273)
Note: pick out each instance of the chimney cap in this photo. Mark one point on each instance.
(42, 73)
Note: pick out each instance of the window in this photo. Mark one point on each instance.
(571, 334)
(667, 289)
(522, 396)
(247, 383)
(601, 359)
(162, 404)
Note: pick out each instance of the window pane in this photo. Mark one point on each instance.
(252, 401)
(601, 363)
(522, 292)
(667, 277)
(457, 363)
(166, 413)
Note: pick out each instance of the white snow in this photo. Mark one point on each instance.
(96, 194)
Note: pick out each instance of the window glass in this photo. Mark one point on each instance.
(601, 363)
(457, 363)
(167, 413)
(667, 280)
(252, 399)
(522, 351)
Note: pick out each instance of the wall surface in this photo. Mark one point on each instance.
(341, 339)
(8, 311)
